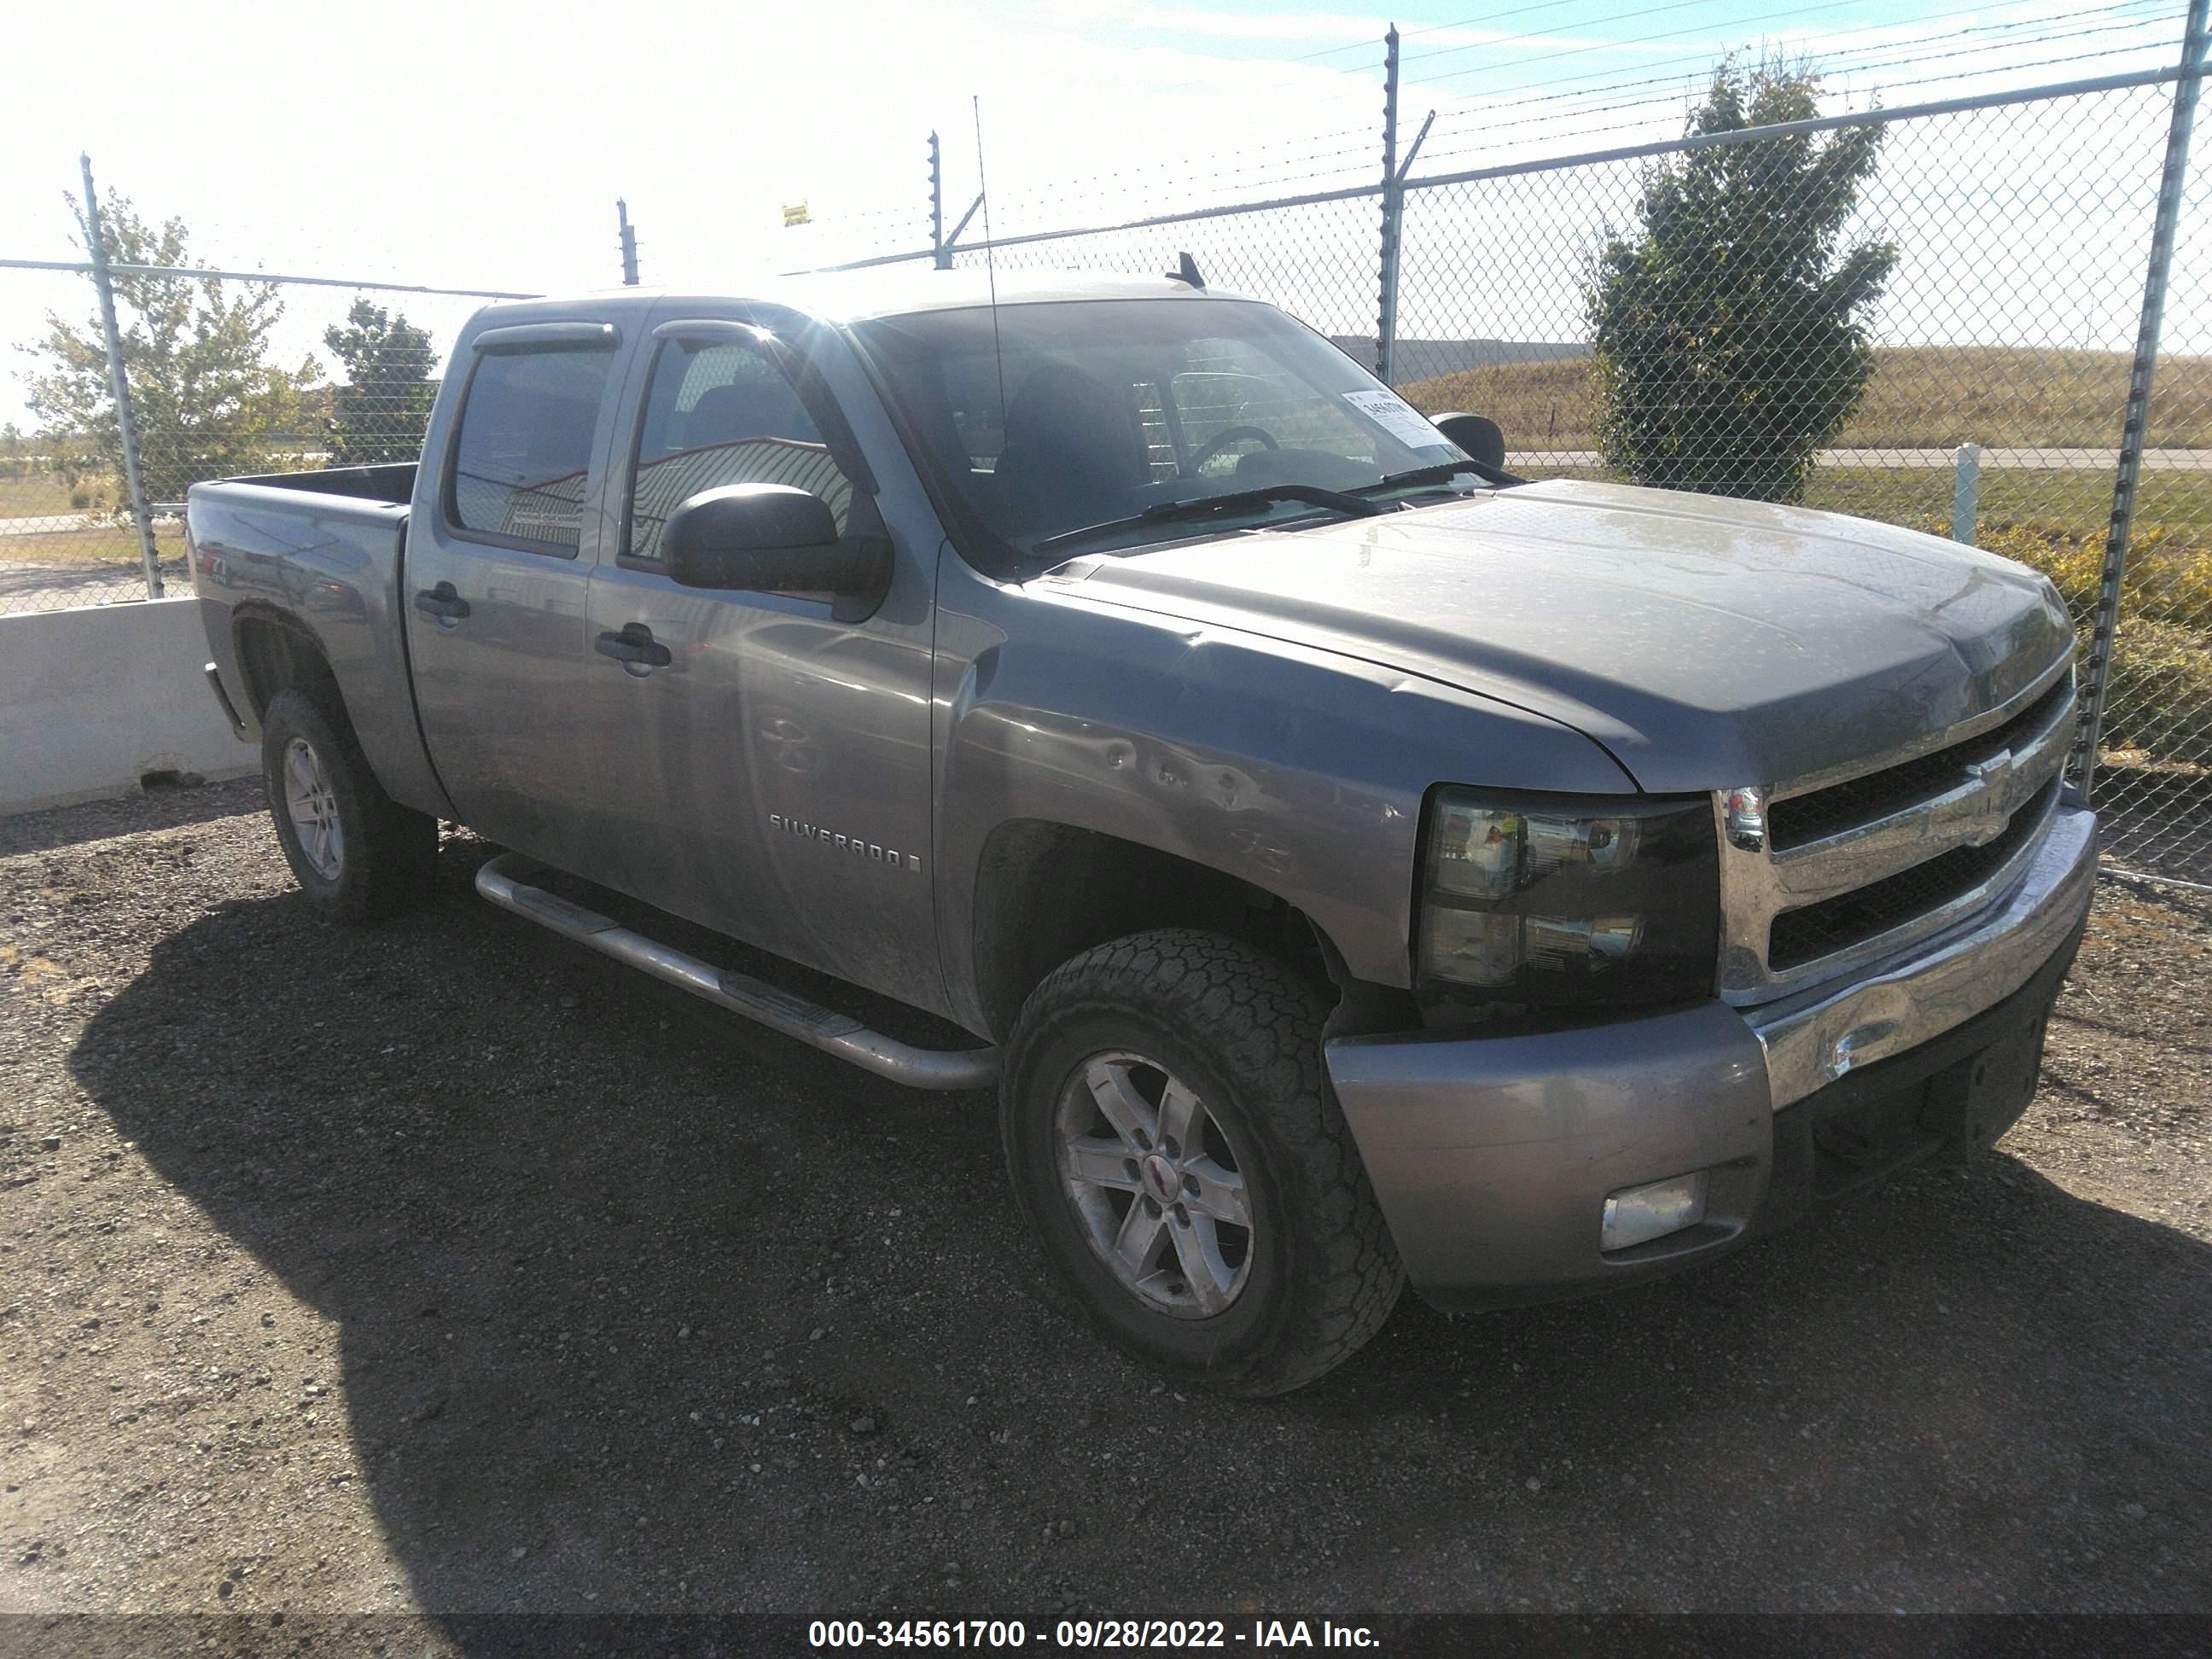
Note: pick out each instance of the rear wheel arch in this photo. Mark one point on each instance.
(358, 854)
(275, 651)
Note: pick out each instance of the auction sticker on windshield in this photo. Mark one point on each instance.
(1397, 417)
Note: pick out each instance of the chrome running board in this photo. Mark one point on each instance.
(502, 882)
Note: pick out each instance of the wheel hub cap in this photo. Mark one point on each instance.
(1162, 1179)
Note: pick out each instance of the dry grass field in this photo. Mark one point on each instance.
(1921, 397)
(40, 495)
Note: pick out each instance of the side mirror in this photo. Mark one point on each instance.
(771, 538)
(1478, 435)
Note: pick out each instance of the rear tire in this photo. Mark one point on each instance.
(1176, 1149)
(357, 853)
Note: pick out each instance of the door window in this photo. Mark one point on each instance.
(724, 414)
(523, 451)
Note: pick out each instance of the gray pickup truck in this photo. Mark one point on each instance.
(1353, 864)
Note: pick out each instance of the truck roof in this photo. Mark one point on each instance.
(893, 291)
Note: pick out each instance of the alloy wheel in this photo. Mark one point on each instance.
(1156, 1185)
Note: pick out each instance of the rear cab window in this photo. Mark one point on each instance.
(521, 456)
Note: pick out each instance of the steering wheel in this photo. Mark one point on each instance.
(1227, 436)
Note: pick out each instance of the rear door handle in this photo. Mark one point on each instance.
(633, 644)
(442, 602)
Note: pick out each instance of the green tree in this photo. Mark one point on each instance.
(206, 399)
(1728, 336)
(379, 413)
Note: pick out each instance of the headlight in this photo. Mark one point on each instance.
(1568, 900)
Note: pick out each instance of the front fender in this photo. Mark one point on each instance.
(1293, 768)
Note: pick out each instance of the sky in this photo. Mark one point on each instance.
(484, 145)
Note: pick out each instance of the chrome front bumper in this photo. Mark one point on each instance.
(1492, 1157)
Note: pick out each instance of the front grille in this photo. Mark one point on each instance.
(1814, 930)
(1855, 871)
(1823, 813)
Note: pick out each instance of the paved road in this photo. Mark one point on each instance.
(37, 573)
(56, 587)
(53, 524)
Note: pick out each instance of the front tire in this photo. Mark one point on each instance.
(1176, 1149)
(358, 854)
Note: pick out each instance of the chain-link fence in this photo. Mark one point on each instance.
(1995, 250)
(2156, 761)
(2005, 242)
(227, 375)
(2011, 242)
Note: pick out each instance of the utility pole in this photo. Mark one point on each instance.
(119, 384)
(628, 243)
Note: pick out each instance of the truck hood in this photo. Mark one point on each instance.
(1707, 643)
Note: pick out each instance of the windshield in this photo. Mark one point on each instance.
(1112, 406)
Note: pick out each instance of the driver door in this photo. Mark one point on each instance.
(768, 771)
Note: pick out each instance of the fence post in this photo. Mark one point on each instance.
(2103, 633)
(1967, 494)
(628, 243)
(1394, 203)
(940, 254)
(119, 384)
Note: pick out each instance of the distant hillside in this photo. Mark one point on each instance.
(1921, 396)
(1420, 360)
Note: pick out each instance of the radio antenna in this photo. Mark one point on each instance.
(990, 269)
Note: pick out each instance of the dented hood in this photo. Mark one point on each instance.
(1706, 644)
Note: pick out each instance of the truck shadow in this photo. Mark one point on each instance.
(633, 1302)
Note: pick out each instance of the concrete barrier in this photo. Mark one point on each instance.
(93, 699)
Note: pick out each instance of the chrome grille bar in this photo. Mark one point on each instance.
(1918, 809)
(1973, 812)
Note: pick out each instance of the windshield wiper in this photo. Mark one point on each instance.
(1441, 473)
(1207, 507)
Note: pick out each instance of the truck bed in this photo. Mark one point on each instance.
(392, 483)
(323, 552)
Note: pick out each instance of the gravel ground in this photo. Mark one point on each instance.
(447, 1266)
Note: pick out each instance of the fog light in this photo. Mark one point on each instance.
(1637, 1215)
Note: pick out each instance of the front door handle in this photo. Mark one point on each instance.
(634, 644)
(442, 602)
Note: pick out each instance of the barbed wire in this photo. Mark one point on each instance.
(1553, 114)
(1705, 53)
(1605, 97)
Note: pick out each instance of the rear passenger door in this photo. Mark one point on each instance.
(768, 767)
(496, 580)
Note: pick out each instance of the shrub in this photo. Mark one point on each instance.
(1727, 337)
(2159, 694)
(2160, 585)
